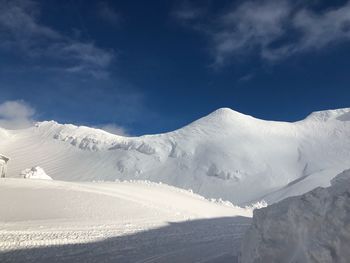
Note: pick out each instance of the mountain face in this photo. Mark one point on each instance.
(224, 155)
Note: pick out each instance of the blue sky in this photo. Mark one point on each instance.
(139, 67)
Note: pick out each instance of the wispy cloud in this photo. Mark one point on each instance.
(16, 114)
(320, 30)
(108, 13)
(246, 77)
(185, 11)
(21, 30)
(274, 29)
(251, 25)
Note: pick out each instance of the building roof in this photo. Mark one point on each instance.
(3, 157)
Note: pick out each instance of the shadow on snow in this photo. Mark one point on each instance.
(204, 240)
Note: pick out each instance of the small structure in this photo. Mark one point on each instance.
(3, 165)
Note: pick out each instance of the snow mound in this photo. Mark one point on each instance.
(3, 134)
(314, 227)
(35, 173)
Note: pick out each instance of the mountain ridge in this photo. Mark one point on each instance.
(225, 154)
(224, 114)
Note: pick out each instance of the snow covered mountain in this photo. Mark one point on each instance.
(225, 155)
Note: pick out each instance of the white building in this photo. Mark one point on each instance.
(3, 165)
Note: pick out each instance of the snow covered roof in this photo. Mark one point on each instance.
(3, 157)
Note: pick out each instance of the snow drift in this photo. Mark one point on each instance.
(35, 173)
(225, 155)
(314, 227)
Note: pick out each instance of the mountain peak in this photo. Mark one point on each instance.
(227, 114)
(220, 118)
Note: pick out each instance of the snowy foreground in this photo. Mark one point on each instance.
(48, 221)
(314, 227)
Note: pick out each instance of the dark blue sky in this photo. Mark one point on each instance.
(154, 66)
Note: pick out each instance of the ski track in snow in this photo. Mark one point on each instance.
(195, 242)
(54, 221)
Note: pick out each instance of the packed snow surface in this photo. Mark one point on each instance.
(314, 227)
(54, 221)
(35, 173)
(225, 155)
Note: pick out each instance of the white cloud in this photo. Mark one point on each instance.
(16, 115)
(320, 30)
(251, 25)
(274, 29)
(20, 30)
(86, 57)
(19, 19)
(113, 128)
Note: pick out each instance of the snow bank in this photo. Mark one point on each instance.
(314, 227)
(35, 173)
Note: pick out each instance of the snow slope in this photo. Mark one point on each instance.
(314, 227)
(54, 221)
(224, 155)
